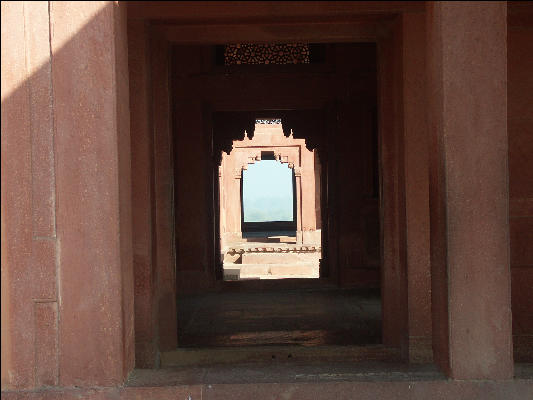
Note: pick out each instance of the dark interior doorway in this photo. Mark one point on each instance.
(331, 103)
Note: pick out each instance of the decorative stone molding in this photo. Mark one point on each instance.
(284, 159)
(229, 126)
(276, 249)
(305, 124)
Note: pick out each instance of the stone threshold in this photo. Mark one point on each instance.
(283, 371)
(272, 354)
(294, 373)
(366, 381)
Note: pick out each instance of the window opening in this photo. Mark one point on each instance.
(268, 194)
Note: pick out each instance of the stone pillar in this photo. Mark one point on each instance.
(222, 205)
(416, 189)
(520, 130)
(317, 168)
(93, 177)
(226, 204)
(467, 56)
(142, 194)
(165, 227)
(232, 175)
(236, 206)
(67, 276)
(299, 213)
(393, 211)
(308, 196)
(30, 290)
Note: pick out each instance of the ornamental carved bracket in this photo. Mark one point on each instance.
(230, 126)
(305, 124)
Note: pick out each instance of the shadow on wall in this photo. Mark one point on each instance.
(67, 271)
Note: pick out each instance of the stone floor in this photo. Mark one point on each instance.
(278, 381)
(307, 317)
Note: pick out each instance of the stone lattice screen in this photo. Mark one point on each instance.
(271, 121)
(291, 53)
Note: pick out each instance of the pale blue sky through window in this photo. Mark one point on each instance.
(267, 192)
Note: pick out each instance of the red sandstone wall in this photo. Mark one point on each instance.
(91, 182)
(67, 290)
(193, 167)
(467, 87)
(356, 201)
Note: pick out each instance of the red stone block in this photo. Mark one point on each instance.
(44, 265)
(46, 344)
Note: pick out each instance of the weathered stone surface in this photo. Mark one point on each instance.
(468, 50)
(68, 262)
(315, 385)
(520, 130)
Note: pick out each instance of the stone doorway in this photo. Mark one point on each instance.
(325, 132)
(268, 207)
(333, 105)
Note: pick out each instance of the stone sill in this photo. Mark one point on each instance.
(299, 373)
(323, 381)
(283, 372)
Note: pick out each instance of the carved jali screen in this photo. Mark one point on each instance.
(247, 53)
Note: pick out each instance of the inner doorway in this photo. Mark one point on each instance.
(330, 106)
(269, 229)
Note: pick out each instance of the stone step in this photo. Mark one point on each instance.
(272, 248)
(279, 258)
(275, 354)
(271, 271)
